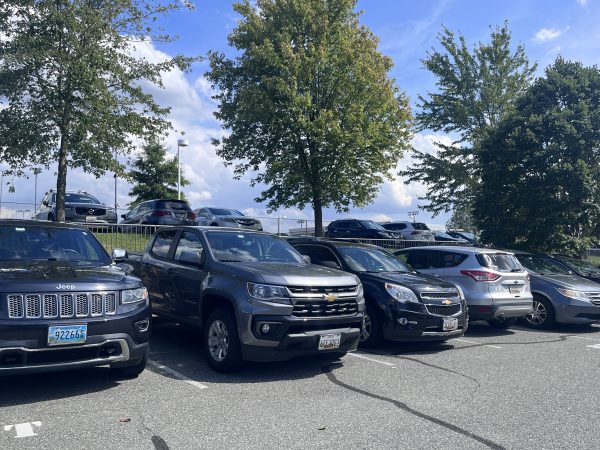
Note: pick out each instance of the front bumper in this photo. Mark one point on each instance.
(110, 340)
(290, 337)
(421, 326)
(577, 312)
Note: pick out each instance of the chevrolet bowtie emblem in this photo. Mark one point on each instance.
(446, 302)
(330, 297)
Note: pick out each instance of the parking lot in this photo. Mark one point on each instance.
(497, 389)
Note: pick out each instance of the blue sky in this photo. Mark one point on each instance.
(407, 30)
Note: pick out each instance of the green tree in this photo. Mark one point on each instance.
(476, 89)
(540, 169)
(154, 176)
(462, 219)
(309, 104)
(71, 83)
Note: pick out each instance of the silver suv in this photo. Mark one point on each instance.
(410, 231)
(497, 288)
(224, 217)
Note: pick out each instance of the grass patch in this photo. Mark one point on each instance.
(128, 241)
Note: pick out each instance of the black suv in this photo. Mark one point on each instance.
(65, 305)
(160, 212)
(79, 207)
(358, 229)
(400, 305)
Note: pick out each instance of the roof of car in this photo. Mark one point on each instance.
(326, 241)
(461, 248)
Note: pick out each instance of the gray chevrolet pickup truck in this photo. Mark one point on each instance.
(254, 295)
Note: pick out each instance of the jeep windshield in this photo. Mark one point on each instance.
(362, 259)
(250, 247)
(23, 243)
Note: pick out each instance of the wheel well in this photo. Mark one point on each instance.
(212, 302)
(543, 296)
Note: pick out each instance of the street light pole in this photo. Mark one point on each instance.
(180, 143)
(116, 161)
(36, 172)
(413, 215)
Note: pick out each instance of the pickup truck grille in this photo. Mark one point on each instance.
(322, 290)
(594, 297)
(324, 308)
(442, 310)
(54, 306)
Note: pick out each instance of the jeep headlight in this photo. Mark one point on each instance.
(577, 295)
(269, 293)
(401, 293)
(134, 296)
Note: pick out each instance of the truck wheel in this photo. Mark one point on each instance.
(542, 316)
(130, 371)
(372, 331)
(221, 341)
(502, 323)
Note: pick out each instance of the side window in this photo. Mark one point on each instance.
(451, 259)
(400, 226)
(162, 243)
(188, 242)
(417, 259)
(143, 208)
(53, 199)
(133, 212)
(339, 226)
(319, 255)
(355, 226)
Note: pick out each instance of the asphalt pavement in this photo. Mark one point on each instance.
(493, 388)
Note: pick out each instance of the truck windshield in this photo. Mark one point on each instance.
(250, 247)
(22, 243)
(362, 259)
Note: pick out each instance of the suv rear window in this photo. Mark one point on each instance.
(420, 226)
(174, 204)
(502, 262)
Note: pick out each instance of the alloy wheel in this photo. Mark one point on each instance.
(538, 315)
(366, 328)
(218, 340)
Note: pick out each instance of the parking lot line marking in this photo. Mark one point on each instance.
(595, 346)
(176, 374)
(385, 363)
(586, 338)
(478, 343)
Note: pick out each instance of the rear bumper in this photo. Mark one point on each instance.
(506, 311)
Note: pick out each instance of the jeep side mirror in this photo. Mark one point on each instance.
(119, 254)
(306, 258)
(192, 258)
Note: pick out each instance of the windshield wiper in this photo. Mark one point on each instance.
(230, 260)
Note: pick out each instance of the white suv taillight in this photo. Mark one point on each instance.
(480, 275)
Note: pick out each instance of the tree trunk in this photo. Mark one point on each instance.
(61, 180)
(318, 209)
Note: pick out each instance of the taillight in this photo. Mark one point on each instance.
(161, 213)
(480, 275)
(191, 216)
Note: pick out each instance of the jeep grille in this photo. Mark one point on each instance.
(53, 306)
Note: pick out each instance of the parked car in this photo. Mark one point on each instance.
(65, 305)
(411, 231)
(160, 212)
(253, 295)
(463, 235)
(79, 207)
(400, 304)
(358, 229)
(558, 294)
(223, 217)
(579, 267)
(495, 285)
(442, 236)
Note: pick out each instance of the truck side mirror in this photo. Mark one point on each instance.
(119, 254)
(306, 258)
(331, 264)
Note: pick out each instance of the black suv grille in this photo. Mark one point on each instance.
(324, 308)
(82, 211)
(439, 294)
(441, 310)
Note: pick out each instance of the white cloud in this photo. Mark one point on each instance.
(582, 2)
(381, 218)
(547, 34)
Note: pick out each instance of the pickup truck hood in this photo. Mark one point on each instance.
(55, 276)
(296, 274)
(569, 282)
(419, 283)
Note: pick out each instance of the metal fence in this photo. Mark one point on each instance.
(400, 244)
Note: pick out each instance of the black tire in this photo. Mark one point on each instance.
(130, 371)
(502, 324)
(372, 331)
(221, 341)
(542, 317)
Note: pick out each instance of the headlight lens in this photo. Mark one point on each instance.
(269, 293)
(134, 296)
(460, 292)
(577, 295)
(360, 291)
(401, 293)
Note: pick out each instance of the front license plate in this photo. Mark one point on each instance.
(450, 324)
(63, 335)
(90, 218)
(329, 341)
(514, 289)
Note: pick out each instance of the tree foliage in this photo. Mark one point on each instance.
(311, 110)
(154, 176)
(540, 170)
(476, 89)
(70, 83)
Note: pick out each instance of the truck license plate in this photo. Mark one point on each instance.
(329, 341)
(450, 324)
(63, 335)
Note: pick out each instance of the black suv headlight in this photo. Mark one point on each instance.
(401, 293)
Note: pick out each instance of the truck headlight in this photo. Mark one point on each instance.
(401, 293)
(577, 295)
(134, 296)
(269, 293)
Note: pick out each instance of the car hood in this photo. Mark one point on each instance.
(294, 274)
(417, 282)
(570, 282)
(49, 276)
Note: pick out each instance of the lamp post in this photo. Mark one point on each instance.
(36, 172)
(413, 215)
(1, 189)
(180, 143)
(23, 211)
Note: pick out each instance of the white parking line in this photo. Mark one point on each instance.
(586, 338)
(595, 346)
(176, 374)
(371, 359)
(478, 343)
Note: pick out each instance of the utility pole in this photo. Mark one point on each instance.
(116, 161)
(1, 189)
(36, 172)
(413, 215)
(180, 143)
